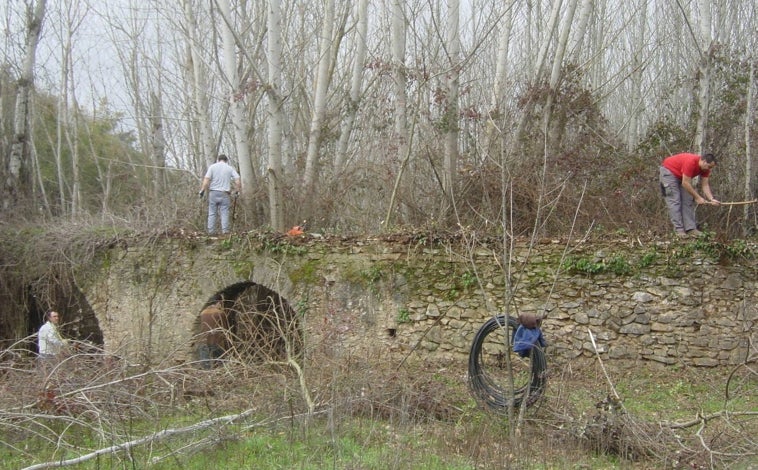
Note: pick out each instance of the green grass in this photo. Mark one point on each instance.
(671, 394)
(364, 448)
(421, 416)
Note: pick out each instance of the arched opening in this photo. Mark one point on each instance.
(78, 320)
(259, 325)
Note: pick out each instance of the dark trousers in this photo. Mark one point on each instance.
(209, 355)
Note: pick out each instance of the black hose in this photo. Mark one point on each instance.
(487, 371)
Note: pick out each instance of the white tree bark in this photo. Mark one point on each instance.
(635, 106)
(62, 119)
(749, 120)
(501, 60)
(18, 179)
(539, 65)
(584, 19)
(497, 100)
(554, 136)
(158, 145)
(199, 85)
(452, 111)
(236, 101)
(399, 26)
(356, 82)
(536, 74)
(323, 80)
(275, 116)
(704, 43)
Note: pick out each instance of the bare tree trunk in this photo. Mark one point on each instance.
(275, 117)
(72, 138)
(501, 76)
(399, 75)
(72, 16)
(555, 130)
(158, 145)
(355, 86)
(536, 73)
(635, 102)
(400, 78)
(584, 19)
(18, 179)
(236, 102)
(748, 148)
(199, 87)
(704, 43)
(452, 111)
(104, 166)
(62, 118)
(323, 79)
(44, 203)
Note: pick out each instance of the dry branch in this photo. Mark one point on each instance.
(155, 437)
(738, 203)
(705, 418)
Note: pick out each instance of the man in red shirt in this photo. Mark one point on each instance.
(676, 174)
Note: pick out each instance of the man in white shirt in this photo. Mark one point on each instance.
(50, 343)
(218, 181)
(49, 340)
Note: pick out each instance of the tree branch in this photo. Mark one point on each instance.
(223, 420)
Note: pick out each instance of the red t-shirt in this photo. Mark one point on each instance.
(687, 164)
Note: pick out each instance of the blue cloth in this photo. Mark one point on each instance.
(526, 338)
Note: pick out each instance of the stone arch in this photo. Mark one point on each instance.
(261, 324)
(78, 319)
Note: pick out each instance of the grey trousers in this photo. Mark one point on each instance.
(219, 202)
(680, 203)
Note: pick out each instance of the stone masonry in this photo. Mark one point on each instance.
(674, 304)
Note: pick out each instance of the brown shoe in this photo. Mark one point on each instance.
(694, 233)
(681, 233)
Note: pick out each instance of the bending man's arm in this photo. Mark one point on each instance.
(687, 185)
(706, 185)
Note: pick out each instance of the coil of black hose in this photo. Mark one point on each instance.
(485, 389)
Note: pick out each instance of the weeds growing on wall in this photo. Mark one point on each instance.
(669, 256)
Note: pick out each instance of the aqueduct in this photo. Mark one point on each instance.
(142, 300)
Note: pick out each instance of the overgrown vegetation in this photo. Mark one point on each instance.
(620, 265)
(377, 413)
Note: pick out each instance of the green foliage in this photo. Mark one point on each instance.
(619, 266)
(283, 248)
(616, 264)
(372, 275)
(452, 294)
(107, 160)
(307, 273)
(243, 268)
(468, 279)
(403, 316)
(716, 250)
(302, 307)
(649, 258)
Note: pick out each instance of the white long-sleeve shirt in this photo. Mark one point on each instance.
(49, 340)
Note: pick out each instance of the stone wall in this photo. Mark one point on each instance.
(663, 302)
(689, 310)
